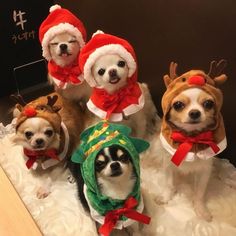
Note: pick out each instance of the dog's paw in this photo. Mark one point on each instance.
(165, 196)
(202, 211)
(42, 192)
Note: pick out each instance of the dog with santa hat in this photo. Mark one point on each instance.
(62, 35)
(109, 65)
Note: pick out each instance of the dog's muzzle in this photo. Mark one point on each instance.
(115, 169)
(114, 78)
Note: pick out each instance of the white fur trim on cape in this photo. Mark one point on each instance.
(120, 223)
(58, 29)
(104, 50)
(115, 117)
(204, 154)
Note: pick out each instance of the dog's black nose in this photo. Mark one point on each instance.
(112, 73)
(194, 114)
(115, 166)
(39, 141)
(63, 47)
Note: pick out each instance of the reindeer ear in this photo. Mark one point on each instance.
(220, 79)
(17, 110)
(167, 80)
(56, 108)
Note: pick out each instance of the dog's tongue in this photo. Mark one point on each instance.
(64, 54)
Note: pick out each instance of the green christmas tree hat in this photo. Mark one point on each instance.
(94, 139)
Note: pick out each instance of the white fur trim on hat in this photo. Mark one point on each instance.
(58, 29)
(97, 32)
(54, 7)
(104, 50)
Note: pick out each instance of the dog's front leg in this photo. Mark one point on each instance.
(45, 189)
(200, 187)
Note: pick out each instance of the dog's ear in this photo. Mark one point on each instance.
(172, 74)
(215, 71)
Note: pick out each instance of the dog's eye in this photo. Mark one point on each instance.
(49, 132)
(178, 105)
(99, 165)
(208, 104)
(53, 44)
(28, 134)
(101, 71)
(121, 63)
(72, 41)
(124, 158)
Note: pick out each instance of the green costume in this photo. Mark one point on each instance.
(93, 140)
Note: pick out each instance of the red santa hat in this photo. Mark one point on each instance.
(102, 44)
(59, 21)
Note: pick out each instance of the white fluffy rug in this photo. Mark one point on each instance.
(61, 213)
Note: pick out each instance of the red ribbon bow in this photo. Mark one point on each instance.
(33, 155)
(187, 143)
(65, 74)
(118, 101)
(113, 216)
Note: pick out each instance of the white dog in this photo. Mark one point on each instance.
(111, 74)
(192, 132)
(110, 68)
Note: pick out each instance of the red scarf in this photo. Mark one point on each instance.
(113, 216)
(115, 103)
(34, 155)
(186, 143)
(68, 74)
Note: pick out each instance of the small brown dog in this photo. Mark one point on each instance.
(48, 128)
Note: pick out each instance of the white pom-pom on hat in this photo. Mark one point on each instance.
(54, 7)
(97, 32)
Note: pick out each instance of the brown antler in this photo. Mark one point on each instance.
(52, 100)
(216, 70)
(18, 99)
(173, 67)
(172, 74)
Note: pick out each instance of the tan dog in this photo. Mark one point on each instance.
(62, 35)
(48, 129)
(192, 129)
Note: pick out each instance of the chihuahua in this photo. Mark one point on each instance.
(48, 129)
(192, 130)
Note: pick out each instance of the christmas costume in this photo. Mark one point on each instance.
(127, 100)
(94, 139)
(48, 111)
(202, 145)
(61, 20)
